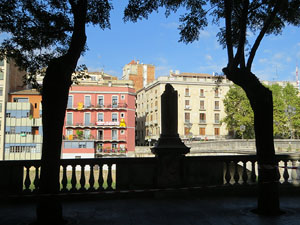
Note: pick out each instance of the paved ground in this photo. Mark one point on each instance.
(157, 211)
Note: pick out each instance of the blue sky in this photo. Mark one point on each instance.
(155, 41)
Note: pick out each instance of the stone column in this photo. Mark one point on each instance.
(170, 150)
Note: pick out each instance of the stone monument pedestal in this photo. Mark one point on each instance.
(170, 153)
(170, 150)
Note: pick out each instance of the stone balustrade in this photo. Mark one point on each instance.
(125, 174)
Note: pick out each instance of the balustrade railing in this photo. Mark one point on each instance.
(114, 174)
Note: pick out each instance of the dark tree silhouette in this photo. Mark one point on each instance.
(260, 17)
(50, 34)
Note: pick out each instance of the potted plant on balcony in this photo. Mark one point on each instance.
(79, 134)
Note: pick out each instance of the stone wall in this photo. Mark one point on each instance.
(221, 147)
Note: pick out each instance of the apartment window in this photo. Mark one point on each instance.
(201, 92)
(100, 117)
(1, 91)
(187, 131)
(100, 134)
(217, 131)
(70, 101)
(0, 107)
(217, 105)
(2, 62)
(87, 101)
(202, 118)
(216, 93)
(202, 105)
(81, 145)
(122, 115)
(21, 100)
(1, 75)
(93, 78)
(217, 118)
(122, 97)
(114, 134)
(114, 145)
(202, 131)
(69, 132)
(114, 101)
(187, 117)
(101, 100)
(87, 134)
(187, 104)
(114, 117)
(99, 147)
(87, 118)
(187, 92)
(69, 118)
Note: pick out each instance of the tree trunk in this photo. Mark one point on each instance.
(54, 99)
(261, 102)
(55, 93)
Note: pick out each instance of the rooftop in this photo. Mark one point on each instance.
(26, 92)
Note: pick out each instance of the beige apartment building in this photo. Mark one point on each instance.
(10, 80)
(200, 107)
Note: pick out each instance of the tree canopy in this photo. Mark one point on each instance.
(241, 17)
(286, 122)
(38, 31)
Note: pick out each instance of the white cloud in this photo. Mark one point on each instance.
(262, 60)
(298, 44)
(278, 56)
(208, 57)
(162, 70)
(162, 60)
(288, 59)
(267, 51)
(171, 25)
(204, 34)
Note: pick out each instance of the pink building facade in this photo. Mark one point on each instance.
(99, 121)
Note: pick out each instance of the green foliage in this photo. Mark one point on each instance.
(39, 31)
(239, 112)
(197, 12)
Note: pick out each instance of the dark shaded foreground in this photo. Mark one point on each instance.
(152, 211)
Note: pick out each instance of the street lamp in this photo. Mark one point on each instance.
(290, 111)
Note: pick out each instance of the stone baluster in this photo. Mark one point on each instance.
(294, 172)
(100, 178)
(92, 178)
(227, 174)
(82, 178)
(73, 179)
(236, 175)
(109, 177)
(253, 173)
(245, 175)
(285, 173)
(36, 179)
(27, 179)
(64, 180)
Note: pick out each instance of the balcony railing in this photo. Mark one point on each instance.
(105, 151)
(115, 124)
(99, 106)
(115, 174)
